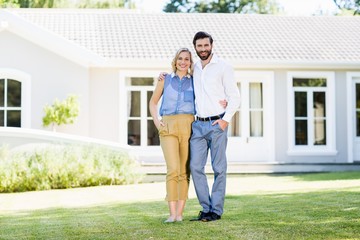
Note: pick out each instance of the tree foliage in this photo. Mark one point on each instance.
(349, 5)
(223, 6)
(68, 3)
(59, 113)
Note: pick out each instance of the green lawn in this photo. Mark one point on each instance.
(324, 214)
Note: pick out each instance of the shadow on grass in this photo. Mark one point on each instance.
(315, 215)
(152, 178)
(327, 176)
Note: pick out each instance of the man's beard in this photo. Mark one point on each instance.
(203, 57)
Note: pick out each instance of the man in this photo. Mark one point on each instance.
(213, 80)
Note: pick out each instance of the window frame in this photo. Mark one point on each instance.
(24, 79)
(314, 150)
(124, 76)
(143, 118)
(350, 93)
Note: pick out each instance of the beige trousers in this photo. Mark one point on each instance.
(174, 141)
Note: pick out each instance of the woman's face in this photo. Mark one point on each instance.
(183, 62)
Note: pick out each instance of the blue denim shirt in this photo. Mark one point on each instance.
(178, 95)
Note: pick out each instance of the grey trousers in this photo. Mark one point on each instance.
(206, 137)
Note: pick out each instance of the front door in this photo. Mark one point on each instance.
(251, 132)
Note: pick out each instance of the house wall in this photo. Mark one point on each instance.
(51, 76)
(341, 116)
(281, 116)
(104, 102)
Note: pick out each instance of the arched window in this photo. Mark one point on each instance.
(10, 103)
(14, 100)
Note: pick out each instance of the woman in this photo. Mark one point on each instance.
(177, 110)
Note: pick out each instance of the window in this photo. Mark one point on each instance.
(234, 129)
(141, 129)
(10, 103)
(357, 109)
(256, 109)
(311, 113)
(353, 116)
(251, 108)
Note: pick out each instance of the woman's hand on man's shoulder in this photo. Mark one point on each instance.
(161, 76)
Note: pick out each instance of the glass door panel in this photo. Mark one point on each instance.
(234, 129)
(2, 92)
(256, 109)
(319, 118)
(134, 136)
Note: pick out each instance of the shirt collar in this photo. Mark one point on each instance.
(173, 74)
(214, 59)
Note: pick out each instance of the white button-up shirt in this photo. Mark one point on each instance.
(213, 83)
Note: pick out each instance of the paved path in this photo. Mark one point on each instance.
(83, 197)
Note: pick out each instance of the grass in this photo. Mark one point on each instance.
(319, 214)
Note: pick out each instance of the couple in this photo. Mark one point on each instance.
(211, 80)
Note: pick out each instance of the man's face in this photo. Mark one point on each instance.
(203, 48)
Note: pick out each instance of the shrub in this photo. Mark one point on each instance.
(59, 113)
(53, 166)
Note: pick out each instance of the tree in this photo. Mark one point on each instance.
(105, 4)
(349, 5)
(68, 3)
(223, 6)
(60, 113)
(176, 6)
(27, 3)
(8, 3)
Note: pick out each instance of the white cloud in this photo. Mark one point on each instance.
(151, 5)
(307, 7)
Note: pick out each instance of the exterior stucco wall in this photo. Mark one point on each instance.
(281, 116)
(341, 116)
(51, 76)
(104, 102)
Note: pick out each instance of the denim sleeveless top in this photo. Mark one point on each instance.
(178, 95)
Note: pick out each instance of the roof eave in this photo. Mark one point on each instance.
(150, 64)
(241, 64)
(48, 40)
(138, 63)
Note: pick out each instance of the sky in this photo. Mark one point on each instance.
(291, 7)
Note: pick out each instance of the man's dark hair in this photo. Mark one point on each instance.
(201, 35)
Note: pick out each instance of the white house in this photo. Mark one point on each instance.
(299, 78)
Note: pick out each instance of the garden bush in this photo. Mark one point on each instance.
(52, 166)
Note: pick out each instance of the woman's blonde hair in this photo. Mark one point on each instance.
(173, 63)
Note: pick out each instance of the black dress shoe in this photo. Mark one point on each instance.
(211, 217)
(202, 215)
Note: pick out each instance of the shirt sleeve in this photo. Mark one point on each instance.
(232, 93)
